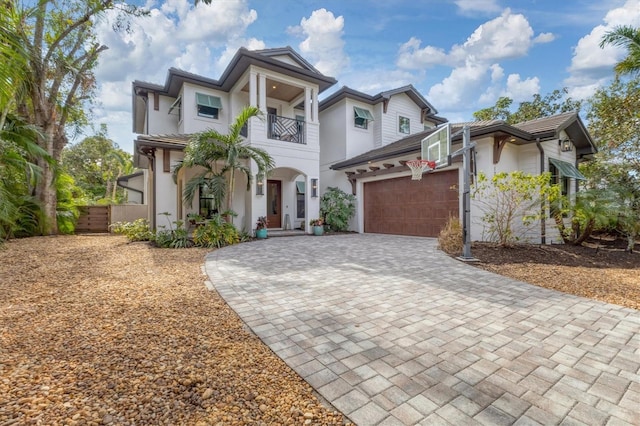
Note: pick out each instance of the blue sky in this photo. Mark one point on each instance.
(460, 54)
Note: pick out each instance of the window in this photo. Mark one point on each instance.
(208, 106)
(300, 187)
(558, 179)
(404, 125)
(361, 117)
(206, 202)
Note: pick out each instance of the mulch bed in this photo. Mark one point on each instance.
(95, 330)
(600, 269)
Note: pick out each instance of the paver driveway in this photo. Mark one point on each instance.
(392, 331)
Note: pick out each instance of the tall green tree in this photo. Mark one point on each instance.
(553, 103)
(61, 53)
(627, 37)
(614, 123)
(222, 156)
(96, 163)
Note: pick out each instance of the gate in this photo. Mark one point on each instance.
(94, 219)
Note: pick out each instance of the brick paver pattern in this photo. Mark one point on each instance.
(391, 331)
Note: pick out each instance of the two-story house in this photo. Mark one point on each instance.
(284, 86)
(350, 140)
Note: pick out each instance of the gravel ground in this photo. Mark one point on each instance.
(95, 330)
(596, 270)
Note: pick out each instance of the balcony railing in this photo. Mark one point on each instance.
(285, 129)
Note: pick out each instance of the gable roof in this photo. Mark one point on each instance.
(243, 58)
(346, 92)
(241, 61)
(523, 133)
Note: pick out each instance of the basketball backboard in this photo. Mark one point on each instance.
(436, 146)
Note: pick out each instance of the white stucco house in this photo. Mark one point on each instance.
(350, 140)
(284, 86)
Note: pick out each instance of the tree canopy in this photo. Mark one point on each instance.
(96, 163)
(627, 37)
(553, 103)
(48, 77)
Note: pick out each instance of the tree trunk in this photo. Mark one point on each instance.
(46, 186)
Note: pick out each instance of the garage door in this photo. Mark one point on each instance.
(402, 206)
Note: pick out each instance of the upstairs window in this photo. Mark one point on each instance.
(362, 117)
(208, 106)
(404, 126)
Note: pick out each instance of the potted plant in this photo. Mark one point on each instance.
(317, 225)
(261, 227)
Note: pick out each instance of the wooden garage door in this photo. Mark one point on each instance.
(403, 206)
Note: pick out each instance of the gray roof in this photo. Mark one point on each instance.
(238, 64)
(409, 90)
(523, 133)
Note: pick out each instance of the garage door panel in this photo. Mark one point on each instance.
(402, 206)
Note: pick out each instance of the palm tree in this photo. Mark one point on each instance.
(628, 37)
(222, 155)
(19, 210)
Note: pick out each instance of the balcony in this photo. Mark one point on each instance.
(285, 129)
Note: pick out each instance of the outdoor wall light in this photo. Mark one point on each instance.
(314, 188)
(259, 186)
(565, 145)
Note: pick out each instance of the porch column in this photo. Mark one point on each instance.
(314, 104)
(253, 88)
(307, 105)
(262, 93)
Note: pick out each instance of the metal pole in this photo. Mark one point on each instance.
(466, 195)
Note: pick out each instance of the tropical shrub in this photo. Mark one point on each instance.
(337, 208)
(216, 233)
(138, 230)
(511, 204)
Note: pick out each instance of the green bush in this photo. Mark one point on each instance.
(337, 207)
(216, 233)
(177, 237)
(138, 230)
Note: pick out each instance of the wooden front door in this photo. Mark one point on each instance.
(274, 203)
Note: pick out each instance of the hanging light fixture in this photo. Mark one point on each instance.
(565, 145)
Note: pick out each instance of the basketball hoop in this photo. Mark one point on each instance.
(418, 167)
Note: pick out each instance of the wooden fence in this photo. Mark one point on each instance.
(94, 219)
(98, 218)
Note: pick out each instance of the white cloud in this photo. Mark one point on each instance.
(462, 84)
(521, 90)
(411, 56)
(477, 73)
(515, 88)
(505, 37)
(323, 45)
(544, 38)
(468, 7)
(591, 66)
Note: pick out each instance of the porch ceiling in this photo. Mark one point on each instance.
(279, 90)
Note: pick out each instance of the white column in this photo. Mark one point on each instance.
(253, 88)
(262, 93)
(314, 105)
(307, 105)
